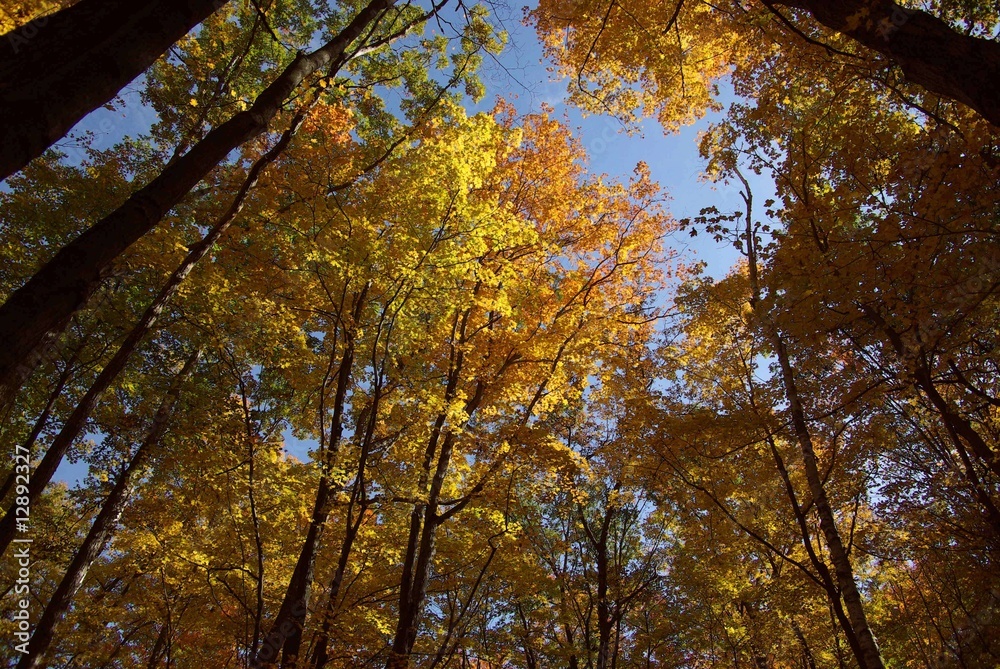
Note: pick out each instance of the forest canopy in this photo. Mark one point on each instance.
(362, 360)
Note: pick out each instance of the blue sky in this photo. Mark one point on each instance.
(520, 75)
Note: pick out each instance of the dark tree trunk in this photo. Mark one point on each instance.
(285, 635)
(863, 643)
(359, 499)
(870, 657)
(57, 69)
(43, 306)
(930, 53)
(425, 519)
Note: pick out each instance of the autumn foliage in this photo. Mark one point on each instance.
(400, 383)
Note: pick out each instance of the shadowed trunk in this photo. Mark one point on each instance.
(870, 657)
(862, 640)
(58, 68)
(285, 634)
(930, 52)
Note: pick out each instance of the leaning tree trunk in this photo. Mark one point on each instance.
(104, 525)
(43, 306)
(856, 626)
(930, 52)
(57, 69)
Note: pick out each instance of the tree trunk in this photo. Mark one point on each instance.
(422, 546)
(856, 626)
(359, 498)
(286, 631)
(42, 421)
(425, 520)
(103, 526)
(930, 52)
(58, 68)
(599, 542)
(870, 657)
(41, 308)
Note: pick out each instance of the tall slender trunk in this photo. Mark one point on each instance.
(285, 634)
(599, 542)
(827, 580)
(420, 554)
(931, 53)
(865, 649)
(808, 661)
(530, 660)
(75, 423)
(58, 68)
(870, 657)
(425, 520)
(104, 524)
(359, 498)
(40, 309)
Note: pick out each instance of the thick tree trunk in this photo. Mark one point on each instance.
(103, 526)
(57, 69)
(46, 302)
(75, 423)
(930, 53)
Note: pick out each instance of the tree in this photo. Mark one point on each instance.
(676, 53)
(41, 308)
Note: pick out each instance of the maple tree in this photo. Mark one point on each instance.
(527, 434)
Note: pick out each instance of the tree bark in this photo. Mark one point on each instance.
(599, 542)
(103, 526)
(930, 52)
(425, 519)
(41, 308)
(359, 499)
(859, 633)
(58, 68)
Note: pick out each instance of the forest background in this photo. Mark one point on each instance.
(528, 427)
